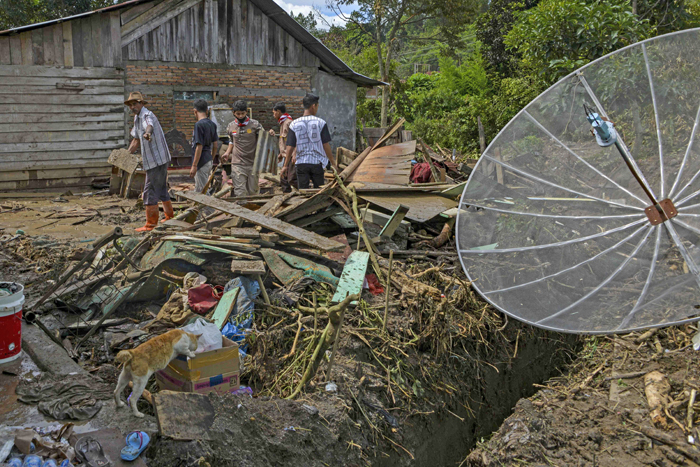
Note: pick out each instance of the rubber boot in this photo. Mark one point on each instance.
(151, 218)
(168, 210)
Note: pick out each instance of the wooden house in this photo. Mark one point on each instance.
(64, 81)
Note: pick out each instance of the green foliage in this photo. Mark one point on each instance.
(492, 28)
(558, 36)
(15, 13)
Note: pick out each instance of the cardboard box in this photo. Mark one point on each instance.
(215, 370)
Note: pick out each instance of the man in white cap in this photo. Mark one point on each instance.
(148, 134)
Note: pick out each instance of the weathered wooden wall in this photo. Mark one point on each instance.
(61, 125)
(233, 32)
(93, 41)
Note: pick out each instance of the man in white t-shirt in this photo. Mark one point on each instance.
(311, 138)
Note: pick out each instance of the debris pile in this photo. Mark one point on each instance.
(349, 297)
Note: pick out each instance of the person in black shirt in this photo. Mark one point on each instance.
(204, 143)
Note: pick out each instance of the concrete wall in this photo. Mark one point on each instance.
(338, 107)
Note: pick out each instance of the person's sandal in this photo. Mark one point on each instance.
(136, 443)
(89, 451)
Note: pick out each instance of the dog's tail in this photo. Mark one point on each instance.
(123, 357)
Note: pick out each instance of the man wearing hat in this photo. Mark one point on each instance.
(148, 134)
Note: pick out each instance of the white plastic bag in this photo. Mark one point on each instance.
(209, 335)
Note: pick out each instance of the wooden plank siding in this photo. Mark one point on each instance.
(66, 121)
(233, 32)
(93, 41)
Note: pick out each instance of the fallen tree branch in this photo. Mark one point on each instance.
(666, 438)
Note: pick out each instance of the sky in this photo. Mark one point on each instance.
(306, 6)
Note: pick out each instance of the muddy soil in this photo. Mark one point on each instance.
(597, 415)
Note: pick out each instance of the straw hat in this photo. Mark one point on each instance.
(135, 97)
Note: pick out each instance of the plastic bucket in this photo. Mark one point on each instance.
(11, 323)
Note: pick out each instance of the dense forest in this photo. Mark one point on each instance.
(450, 62)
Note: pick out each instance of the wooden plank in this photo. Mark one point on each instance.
(272, 52)
(78, 39)
(134, 12)
(183, 415)
(96, 40)
(353, 276)
(56, 136)
(16, 49)
(39, 173)
(263, 51)
(96, 99)
(251, 33)
(27, 55)
(225, 306)
(222, 11)
(281, 52)
(43, 117)
(215, 42)
(67, 146)
(205, 12)
(67, 43)
(153, 18)
(75, 161)
(5, 57)
(198, 35)
(304, 236)
(18, 161)
(59, 91)
(37, 41)
(247, 267)
(56, 72)
(394, 221)
(235, 33)
(243, 232)
(48, 46)
(58, 44)
(48, 183)
(106, 35)
(88, 43)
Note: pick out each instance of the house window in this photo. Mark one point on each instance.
(194, 95)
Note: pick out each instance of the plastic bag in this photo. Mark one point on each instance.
(209, 335)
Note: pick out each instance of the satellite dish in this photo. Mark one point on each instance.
(583, 215)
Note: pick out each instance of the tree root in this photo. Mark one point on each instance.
(327, 338)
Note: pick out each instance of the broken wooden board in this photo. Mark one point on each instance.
(183, 415)
(394, 221)
(422, 206)
(390, 165)
(248, 267)
(353, 276)
(225, 306)
(244, 232)
(308, 238)
(124, 160)
(318, 217)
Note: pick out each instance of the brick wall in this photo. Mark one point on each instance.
(178, 113)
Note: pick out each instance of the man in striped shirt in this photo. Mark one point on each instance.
(149, 136)
(311, 138)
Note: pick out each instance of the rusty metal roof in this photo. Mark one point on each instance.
(389, 164)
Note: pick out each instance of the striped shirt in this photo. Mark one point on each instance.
(308, 134)
(154, 152)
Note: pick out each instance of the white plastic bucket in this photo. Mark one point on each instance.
(11, 324)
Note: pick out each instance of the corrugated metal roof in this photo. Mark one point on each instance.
(331, 63)
(29, 27)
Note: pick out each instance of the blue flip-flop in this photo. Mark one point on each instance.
(136, 443)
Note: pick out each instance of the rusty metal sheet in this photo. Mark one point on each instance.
(389, 165)
(306, 237)
(422, 206)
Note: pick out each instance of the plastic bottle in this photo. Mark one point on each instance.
(32, 461)
(66, 463)
(14, 462)
(49, 463)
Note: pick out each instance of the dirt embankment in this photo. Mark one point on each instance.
(599, 414)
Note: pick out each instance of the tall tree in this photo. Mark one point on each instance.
(384, 24)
